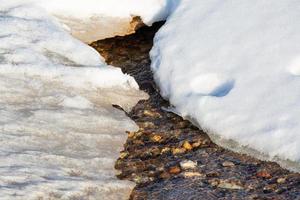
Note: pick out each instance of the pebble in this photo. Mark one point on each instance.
(156, 138)
(192, 174)
(146, 124)
(124, 155)
(228, 164)
(178, 151)
(187, 146)
(188, 164)
(196, 144)
(174, 170)
(150, 113)
(281, 180)
(231, 185)
(263, 174)
(165, 150)
(131, 134)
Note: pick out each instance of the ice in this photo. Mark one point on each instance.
(233, 69)
(59, 134)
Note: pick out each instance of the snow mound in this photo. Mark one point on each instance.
(59, 134)
(233, 68)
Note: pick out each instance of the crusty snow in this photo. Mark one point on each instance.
(59, 134)
(233, 68)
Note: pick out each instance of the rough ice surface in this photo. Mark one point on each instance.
(233, 67)
(59, 134)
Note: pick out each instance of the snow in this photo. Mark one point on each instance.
(233, 68)
(92, 20)
(59, 134)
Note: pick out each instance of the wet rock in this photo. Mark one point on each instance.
(131, 134)
(192, 174)
(281, 180)
(124, 155)
(263, 174)
(230, 184)
(150, 113)
(146, 124)
(188, 164)
(176, 151)
(174, 170)
(156, 138)
(228, 164)
(187, 146)
(165, 150)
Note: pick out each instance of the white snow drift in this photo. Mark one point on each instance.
(233, 67)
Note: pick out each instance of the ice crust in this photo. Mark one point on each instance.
(59, 134)
(232, 67)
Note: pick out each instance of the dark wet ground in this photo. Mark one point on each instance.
(152, 155)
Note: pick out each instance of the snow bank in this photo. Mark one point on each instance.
(234, 69)
(91, 20)
(59, 135)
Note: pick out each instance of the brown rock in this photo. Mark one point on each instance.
(178, 151)
(192, 174)
(187, 146)
(150, 113)
(156, 138)
(263, 174)
(174, 170)
(188, 164)
(228, 164)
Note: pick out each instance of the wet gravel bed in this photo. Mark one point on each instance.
(169, 158)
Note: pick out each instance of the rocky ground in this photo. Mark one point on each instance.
(169, 158)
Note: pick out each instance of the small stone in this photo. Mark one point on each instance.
(150, 113)
(174, 170)
(230, 184)
(178, 151)
(146, 124)
(188, 164)
(228, 164)
(156, 138)
(187, 146)
(165, 150)
(192, 174)
(131, 134)
(196, 144)
(124, 155)
(281, 180)
(263, 174)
